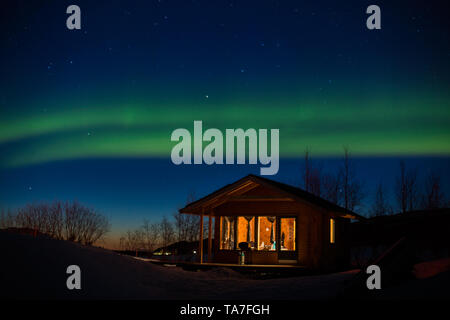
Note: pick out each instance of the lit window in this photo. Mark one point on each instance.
(246, 231)
(287, 234)
(332, 230)
(266, 233)
(227, 233)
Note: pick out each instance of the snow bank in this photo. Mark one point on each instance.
(36, 268)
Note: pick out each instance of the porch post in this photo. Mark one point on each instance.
(201, 235)
(210, 237)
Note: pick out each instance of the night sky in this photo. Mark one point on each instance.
(87, 114)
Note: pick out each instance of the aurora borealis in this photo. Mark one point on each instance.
(137, 70)
(139, 131)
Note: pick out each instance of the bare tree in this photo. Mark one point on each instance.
(167, 232)
(182, 226)
(380, 206)
(151, 235)
(7, 219)
(307, 171)
(187, 225)
(316, 181)
(133, 240)
(406, 188)
(330, 186)
(413, 195)
(56, 220)
(69, 221)
(33, 216)
(346, 177)
(312, 176)
(83, 224)
(96, 226)
(434, 197)
(146, 237)
(123, 243)
(401, 192)
(352, 193)
(193, 227)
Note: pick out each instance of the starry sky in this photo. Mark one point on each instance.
(87, 114)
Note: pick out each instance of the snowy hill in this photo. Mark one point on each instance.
(35, 268)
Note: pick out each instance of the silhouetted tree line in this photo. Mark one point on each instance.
(149, 236)
(60, 220)
(160, 234)
(342, 188)
(346, 190)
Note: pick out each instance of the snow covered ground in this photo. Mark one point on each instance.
(36, 268)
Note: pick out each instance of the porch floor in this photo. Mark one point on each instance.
(285, 269)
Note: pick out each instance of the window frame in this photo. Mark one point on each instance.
(256, 234)
(235, 233)
(279, 233)
(332, 233)
(276, 233)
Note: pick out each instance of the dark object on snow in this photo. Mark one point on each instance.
(243, 246)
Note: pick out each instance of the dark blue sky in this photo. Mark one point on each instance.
(87, 114)
(129, 190)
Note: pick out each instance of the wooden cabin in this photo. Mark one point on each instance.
(272, 223)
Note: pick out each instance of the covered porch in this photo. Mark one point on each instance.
(269, 270)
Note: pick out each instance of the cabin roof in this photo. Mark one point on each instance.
(249, 182)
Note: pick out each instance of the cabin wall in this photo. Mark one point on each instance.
(313, 234)
(310, 235)
(335, 255)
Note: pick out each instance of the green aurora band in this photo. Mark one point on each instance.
(374, 127)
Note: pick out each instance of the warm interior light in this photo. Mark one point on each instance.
(287, 234)
(246, 230)
(227, 233)
(332, 230)
(266, 233)
(262, 234)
